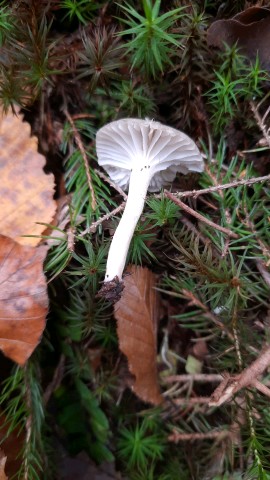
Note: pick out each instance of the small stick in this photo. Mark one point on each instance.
(56, 381)
(197, 215)
(28, 423)
(80, 146)
(191, 401)
(94, 225)
(207, 313)
(260, 122)
(111, 183)
(183, 437)
(203, 191)
(248, 378)
(261, 387)
(77, 116)
(197, 377)
(264, 272)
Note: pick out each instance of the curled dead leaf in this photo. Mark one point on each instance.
(250, 29)
(26, 192)
(137, 318)
(23, 298)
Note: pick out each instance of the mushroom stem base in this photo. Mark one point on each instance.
(112, 290)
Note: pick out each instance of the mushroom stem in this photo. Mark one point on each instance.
(138, 186)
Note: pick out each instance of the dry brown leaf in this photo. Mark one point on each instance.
(26, 192)
(23, 298)
(137, 316)
(250, 29)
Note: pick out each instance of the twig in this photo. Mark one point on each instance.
(198, 215)
(56, 381)
(263, 271)
(94, 225)
(92, 228)
(191, 401)
(260, 122)
(70, 239)
(80, 146)
(28, 423)
(248, 378)
(197, 377)
(191, 437)
(207, 313)
(237, 183)
(261, 387)
(111, 183)
(78, 116)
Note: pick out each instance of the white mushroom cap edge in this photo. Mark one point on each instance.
(146, 155)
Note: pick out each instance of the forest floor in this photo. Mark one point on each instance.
(167, 376)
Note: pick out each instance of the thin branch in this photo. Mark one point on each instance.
(94, 225)
(207, 313)
(56, 381)
(260, 122)
(261, 387)
(191, 401)
(198, 215)
(111, 183)
(264, 272)
(248, 378)
(80, 146)
(28, 423)
(197, 377)
(191, 437)
(225, 186)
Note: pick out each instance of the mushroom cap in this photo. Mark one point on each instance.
(131, 143)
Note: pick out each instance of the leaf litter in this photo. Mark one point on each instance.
(137, 314)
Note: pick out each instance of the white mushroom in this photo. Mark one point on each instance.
(145, 155)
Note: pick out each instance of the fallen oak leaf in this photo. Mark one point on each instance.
(137, 316)
(26, 192)
(23, 298)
